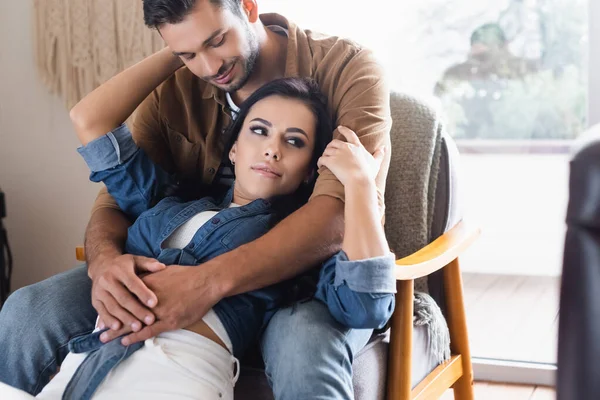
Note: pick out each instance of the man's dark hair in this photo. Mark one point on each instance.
(160, 12)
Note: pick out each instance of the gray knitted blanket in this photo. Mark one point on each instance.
(416, 137)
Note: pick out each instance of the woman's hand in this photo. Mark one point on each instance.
(349, 161)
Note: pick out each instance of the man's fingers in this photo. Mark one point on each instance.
(349, 135)
(148, 332)
(145, 264)
(136, 285)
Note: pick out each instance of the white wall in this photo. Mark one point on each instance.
(45, 182)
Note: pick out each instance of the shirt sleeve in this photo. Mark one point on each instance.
(132, 179)
(148, 133)
(359, 294)
(361, 101)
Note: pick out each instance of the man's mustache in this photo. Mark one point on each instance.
(221, 71)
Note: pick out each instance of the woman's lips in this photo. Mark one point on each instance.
(266, 172)
(225, 79)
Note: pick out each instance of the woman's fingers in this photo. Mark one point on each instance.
(113, 304)
(335, 144)
(330, 151)
(349, 135)
(106, 320)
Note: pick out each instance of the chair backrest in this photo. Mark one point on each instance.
(422, 196)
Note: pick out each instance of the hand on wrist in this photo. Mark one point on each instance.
(100, 262)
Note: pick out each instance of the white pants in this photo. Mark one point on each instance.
(174, 365)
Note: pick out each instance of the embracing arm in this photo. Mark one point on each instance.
(304, 239)
(109, 105)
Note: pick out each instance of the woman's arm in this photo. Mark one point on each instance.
(109, 105)
(107, 142)
(356, 169)
(358, 284)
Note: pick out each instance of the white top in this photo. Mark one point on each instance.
(183, 235)
(180, 238)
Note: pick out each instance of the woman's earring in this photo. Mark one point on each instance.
(232, 162)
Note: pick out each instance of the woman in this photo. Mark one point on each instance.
(279, 139)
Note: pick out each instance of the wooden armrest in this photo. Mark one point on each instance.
(437, 254)
(80, 253)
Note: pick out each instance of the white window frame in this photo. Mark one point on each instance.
(594, 63)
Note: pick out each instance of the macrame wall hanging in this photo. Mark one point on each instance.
(80, 44)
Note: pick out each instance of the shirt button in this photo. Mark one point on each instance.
(215, 221)
(192, 245)
(266, 202)
(211, 171)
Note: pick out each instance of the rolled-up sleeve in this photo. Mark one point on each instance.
(110, 150)
(359, 294)
(130, 176)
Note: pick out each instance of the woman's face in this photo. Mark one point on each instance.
(274, 149)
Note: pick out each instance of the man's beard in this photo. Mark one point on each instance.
(249, 62)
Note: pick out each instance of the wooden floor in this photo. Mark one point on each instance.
(512, 317)
(497, 391)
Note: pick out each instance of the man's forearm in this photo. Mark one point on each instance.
(105, 236)
(301, 241)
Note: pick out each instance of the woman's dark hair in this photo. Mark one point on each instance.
(302, 89)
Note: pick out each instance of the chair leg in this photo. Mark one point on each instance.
(457, 323)
(400, 354)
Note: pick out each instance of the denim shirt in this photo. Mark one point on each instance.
(359, 294)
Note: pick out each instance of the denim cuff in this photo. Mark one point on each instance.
(371, 275)
(110, 150)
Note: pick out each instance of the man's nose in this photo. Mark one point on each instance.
(209, 66)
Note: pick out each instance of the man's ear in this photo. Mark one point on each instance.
(232, 153)
(250, 8)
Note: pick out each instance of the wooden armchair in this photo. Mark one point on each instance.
(424, 228)
(442, 254)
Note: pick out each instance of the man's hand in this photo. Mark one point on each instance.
(349, 161)
(185, 295)
(119, 294)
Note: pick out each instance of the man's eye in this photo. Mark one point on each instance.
(218, 41)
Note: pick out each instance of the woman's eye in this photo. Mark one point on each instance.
(259, 130)
(189, 57)
(296, 142)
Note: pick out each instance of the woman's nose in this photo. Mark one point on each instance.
(273, 151)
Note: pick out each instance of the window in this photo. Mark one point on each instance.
(511, 79)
